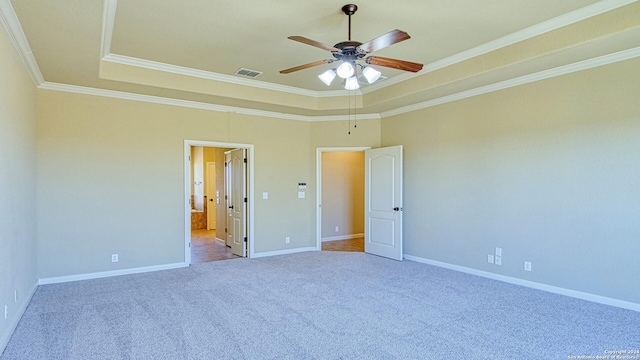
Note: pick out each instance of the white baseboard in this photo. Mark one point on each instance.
(16, 319)
(98, 275)
(220, 241)
(531, 284)
(342, 237)
(283, 252)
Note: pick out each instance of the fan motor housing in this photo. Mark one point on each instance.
(348, 51)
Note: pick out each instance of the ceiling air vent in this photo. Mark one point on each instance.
(248, 72)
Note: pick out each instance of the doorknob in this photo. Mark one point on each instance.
(396, 209)
(231, 207)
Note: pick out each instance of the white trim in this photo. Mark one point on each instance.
(209, 75)
(220, 241)
(558, 22)
(10, 21)
(319, 152)
(18, 315)
(283, 252)
(345, 117)
(104, 274)
(522, 80)
(530, 284)
(542, 75)
(193, 104)
(342, 237)
(108, 21)
(187, 191)
(510, 39)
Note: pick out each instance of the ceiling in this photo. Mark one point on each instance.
(187, 52)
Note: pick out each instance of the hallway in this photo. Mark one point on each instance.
(204, 247)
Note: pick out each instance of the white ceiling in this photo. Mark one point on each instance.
(189, 50)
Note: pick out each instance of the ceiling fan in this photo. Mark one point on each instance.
(348, 52)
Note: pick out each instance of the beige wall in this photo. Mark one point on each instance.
(342, 194)
(18, 268)
(128, 180)
(548, 171)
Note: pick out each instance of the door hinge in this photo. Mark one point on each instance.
(245, 199)
(245, 160)
(245, 239)
(189, 243)
(225, 164)
(226, 198)
(225, 230)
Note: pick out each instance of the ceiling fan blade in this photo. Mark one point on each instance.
(317, 44)
(394, 64)
(305, 66)
(382, 41)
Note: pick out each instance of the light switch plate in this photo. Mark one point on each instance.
(300, 194)
(265, 195)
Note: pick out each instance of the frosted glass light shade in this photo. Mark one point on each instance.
(352, 83)
(345, 70)
(327, 76)
(371, 74)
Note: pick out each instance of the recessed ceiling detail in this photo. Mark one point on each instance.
(191, 53)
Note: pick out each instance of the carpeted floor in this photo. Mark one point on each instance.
(316, 305)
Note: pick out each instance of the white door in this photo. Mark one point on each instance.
(211, 195)
(227, 196)
(237, 170)
(383, 202)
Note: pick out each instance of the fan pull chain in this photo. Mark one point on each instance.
(349, 113)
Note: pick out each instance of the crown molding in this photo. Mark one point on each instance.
(108, 22)
(522, 80)
(513, 38)
(526, 79)
(10, 21)
(108, 25)
(181, 70)
(518, 36)
(196, 105)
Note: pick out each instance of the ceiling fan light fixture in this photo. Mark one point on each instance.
(371, 74)
(345, 70)
(351, 83)
(327, 76)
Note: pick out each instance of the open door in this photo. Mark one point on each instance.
(383, 202)
(237, 199)
(212, 196)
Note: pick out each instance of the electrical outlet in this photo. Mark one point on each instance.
(337, 228)
(498, 251)
(498, 260)
(490, 259)
(527, 266)
(287, 240)
(114, 257)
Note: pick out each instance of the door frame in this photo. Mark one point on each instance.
(187, 191)
(319, 152)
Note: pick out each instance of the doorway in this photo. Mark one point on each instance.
(207, 240)
(340, 199)
(382, 200)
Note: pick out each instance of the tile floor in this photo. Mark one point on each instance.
(204, 247)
